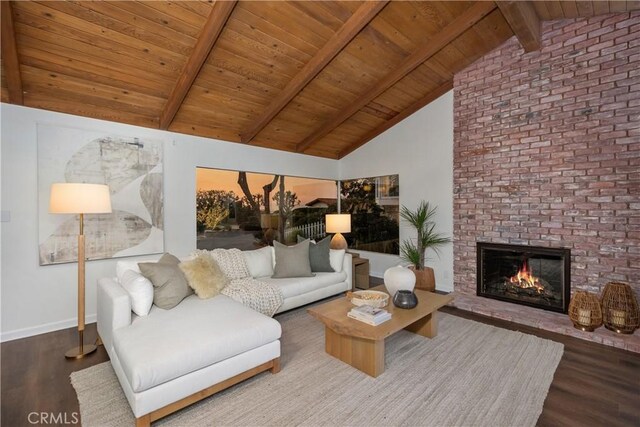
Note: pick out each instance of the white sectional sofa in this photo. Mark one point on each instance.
(170, 359)
(299, 291)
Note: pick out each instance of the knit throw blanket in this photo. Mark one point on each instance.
(255, 294)
(260, 296)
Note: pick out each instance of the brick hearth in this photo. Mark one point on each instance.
(547, 320)
(547, 153)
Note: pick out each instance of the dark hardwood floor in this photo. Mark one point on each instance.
(35, 379)
(594, 385)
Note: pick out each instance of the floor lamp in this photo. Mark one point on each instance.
(338, 223)
(72, 198)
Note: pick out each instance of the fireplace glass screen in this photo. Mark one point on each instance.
(527, 275)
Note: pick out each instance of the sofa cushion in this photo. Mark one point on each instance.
(336, 258)
(131, 264)
(204, 276)
(140, 290)
(292, 261)
(295, 286)
(260, 261)
(169, 283)
(319, 255)
(168, 344)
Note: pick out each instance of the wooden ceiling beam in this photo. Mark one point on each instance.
(360, 19)
(431, 96)
(10, 55)
(524, 21)
(432, 46)
(210, 32)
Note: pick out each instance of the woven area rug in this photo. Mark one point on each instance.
(471, 374)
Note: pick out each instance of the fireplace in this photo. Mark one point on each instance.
(529, 275)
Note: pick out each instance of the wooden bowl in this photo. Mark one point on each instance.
(373, 298)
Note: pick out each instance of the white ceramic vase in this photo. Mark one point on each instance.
(399, 278)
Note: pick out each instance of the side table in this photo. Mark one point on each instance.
(360, 273)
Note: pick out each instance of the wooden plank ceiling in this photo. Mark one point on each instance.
(320, 78)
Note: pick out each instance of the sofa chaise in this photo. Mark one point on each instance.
(170, 359)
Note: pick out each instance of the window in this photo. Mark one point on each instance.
(246, 210)
(374, 205)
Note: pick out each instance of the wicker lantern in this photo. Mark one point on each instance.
(620, 308)
(585, 312)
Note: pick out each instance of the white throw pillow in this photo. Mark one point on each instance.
(140, 290)
(336, 259)
(259, 261)
(124, 266)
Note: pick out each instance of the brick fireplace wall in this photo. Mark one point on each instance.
(547, 150)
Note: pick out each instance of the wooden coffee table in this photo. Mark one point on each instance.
(361, 345)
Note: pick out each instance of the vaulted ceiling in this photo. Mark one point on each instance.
(320, 78)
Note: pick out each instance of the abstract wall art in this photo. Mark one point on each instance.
(132, 168)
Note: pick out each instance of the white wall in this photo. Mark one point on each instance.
(420, 150)
(38, 299)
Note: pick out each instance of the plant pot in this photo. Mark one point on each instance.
(425, 279)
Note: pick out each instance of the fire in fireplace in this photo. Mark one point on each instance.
(525, 280)
(530, 275)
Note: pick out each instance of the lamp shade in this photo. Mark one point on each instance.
(338, 223)
(76, 198)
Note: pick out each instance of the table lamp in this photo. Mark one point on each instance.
(338, 223)
(74, 198)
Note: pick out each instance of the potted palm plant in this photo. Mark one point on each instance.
(413, 250)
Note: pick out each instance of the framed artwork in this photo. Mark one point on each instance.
(132, 168)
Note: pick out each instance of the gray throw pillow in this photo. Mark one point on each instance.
(319, 255)
(170, 286)
(292, 261)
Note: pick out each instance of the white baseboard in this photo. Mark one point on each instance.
(42, 329)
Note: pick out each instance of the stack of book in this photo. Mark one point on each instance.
(370, 315)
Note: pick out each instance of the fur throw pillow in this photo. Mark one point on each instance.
(204, 276)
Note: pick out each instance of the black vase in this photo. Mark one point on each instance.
(405, 299)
